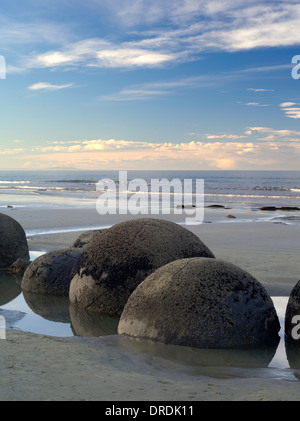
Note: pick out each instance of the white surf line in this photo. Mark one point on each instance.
(43, 231)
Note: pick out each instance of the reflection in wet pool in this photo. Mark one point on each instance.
(53, 316)
(49, 315)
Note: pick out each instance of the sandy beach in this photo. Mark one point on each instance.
(40, 367)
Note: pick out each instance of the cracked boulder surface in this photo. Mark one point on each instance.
(13, 242)
(50, 274)
(202, 303)
(118, 260)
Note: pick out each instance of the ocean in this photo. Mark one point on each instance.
(236, 190)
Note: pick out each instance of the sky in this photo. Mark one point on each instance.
(150, 84)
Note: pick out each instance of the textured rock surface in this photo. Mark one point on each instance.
(123, 256)
(86, 238)
(13, 243)
(204, 303)
(50, 274)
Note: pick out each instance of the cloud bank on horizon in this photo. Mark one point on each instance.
(183, 84)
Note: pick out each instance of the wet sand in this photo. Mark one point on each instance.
(37, 367)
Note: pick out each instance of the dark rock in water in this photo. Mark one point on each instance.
(19, 267)
(13, 243)
(118, 260)
(50, 274)
(85, 238)
(231, 216)
(216, 206)
(289, 208)
(282, 208)
(202, 303)
(185, 206)
(268, 208)
(292, 315)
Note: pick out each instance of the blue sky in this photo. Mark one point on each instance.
(149, 84)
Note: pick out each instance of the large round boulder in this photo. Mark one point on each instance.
(50, 274)
(119, 259)
(202, 303)
(13, 242)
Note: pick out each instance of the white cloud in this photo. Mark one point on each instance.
(290, 110)
(48, 86)
(131, 57)
(256, 148)
(163, 32)
(100, 53)
(287, 104)
(223, 136)
(11, 151)
(260, 90)
(257, 104)
(16, 33)
(275, 134)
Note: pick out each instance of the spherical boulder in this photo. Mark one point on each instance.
(13, 242)
(292, 316)
(202, 303)
(50, 274)
(123, 256)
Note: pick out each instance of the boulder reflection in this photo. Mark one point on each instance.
(292, 349)
(9, 287)
(58, 309)
(54, 309)
(89, 324)
(201, 359)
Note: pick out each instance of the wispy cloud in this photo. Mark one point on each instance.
(270, 134)
(12, 151)
(291, 109)
(100, 53)
(223, 136)
(150, 90)
(255, 90)
(162, 33)
(19, 33)
(257, 104)
(44, 86)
